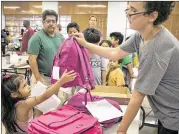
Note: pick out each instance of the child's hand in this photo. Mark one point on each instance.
(67, 76)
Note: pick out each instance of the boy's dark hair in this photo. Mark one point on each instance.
(49, 12)
(92, 35)
(73, 24)
(117, 36)
(9, 85)
(164, 9)
(105, 41)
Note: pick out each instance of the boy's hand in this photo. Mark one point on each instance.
(80, 38)
(67, 76)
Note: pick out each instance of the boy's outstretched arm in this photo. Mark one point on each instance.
(131, 111)
(106, 52)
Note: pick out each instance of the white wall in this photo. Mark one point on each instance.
(116, 20)
(50, 5)
(3, 17)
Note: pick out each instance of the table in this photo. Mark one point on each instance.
(6, 68)
(134, 127)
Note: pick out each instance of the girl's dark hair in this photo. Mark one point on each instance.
(9, 85)
(49, 12)
(73, 24)
(105, 41)
(164, 9)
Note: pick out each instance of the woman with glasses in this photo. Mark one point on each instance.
(158, 73)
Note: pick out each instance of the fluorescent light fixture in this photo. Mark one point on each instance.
(23, 11)
(38, 6)
(92, 6)
(11, 7)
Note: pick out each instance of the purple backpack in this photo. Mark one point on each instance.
(72, 56)
(76, 102)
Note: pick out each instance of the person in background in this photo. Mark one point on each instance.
(105, 43)
(72, 28)
(42, 48)
(125, 64)
(58, 29)
(158, 74)
(22, 32)
(26, 36)
(4, 42)
(92, 35)
(93, 23)
(17, 105)
(135, 59)
(115, 76)
(6, 31)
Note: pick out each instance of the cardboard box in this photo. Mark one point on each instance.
(119, 94)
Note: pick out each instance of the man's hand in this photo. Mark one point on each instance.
(80, 39)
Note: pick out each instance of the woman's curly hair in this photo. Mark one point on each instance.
(164, 9)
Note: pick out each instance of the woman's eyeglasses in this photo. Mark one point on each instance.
(129, 15)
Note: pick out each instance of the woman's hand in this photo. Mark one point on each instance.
(80, 39)
(67, 76)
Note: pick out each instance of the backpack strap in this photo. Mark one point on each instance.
(83, 65)
(89, 70)
(87, 78)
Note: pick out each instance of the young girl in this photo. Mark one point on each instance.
(114, 75)
(17, 106)
(105, 43)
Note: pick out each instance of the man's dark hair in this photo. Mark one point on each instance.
(117, 36)
(73, 24)
(92, 35)
(164, 9)
(49, 12)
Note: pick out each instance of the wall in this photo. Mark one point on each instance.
(50, 5)
(172, 24)
(116, 20)
(81, 14)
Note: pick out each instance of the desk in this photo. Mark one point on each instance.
(133, 129)
(6, 68)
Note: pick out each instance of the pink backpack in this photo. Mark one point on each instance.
(76, 102)
(66, 120)
(72, 56)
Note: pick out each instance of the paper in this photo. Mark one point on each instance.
(51, 103)
(103, 110)
(55, 73)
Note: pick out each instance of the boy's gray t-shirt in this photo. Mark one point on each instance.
(158, 74)
(98, 65)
